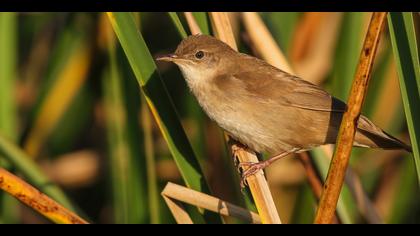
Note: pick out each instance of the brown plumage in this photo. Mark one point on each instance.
(264, 107)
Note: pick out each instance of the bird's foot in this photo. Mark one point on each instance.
(236, 148)
(251, 169)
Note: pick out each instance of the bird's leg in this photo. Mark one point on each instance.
(254, 167)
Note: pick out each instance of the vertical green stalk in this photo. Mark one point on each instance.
(128, 185)
(347, 53)
(8, 60)
(202, 21)
(282, 26)
(406, 195)
(8, 115)
(119, 153)
(152, 182)
(405, 48)
(305, 206)
(149, 153)
(178, 24)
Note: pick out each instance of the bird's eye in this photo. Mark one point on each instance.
(199, 54)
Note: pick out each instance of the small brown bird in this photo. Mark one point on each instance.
(263, 107)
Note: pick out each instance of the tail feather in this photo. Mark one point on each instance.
(370, 135)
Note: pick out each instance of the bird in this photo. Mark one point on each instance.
(264, 108)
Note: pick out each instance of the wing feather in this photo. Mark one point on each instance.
(287, 89)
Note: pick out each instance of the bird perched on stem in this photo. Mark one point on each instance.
(263, 107)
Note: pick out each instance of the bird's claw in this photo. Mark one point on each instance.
(235, 156)
(243, 184)
(253, 168)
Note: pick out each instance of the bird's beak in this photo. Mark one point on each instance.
(168, 57)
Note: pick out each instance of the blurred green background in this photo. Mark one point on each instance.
(70, 100)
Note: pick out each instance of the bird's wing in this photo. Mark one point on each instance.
(311, 97)
(288, 90)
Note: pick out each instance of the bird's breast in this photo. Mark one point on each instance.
(236, 114)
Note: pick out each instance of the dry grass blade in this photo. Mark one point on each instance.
(312, 57)
(183, 194)
(305, 31)
(222, 28)
(264, 41)
(152, 180)
(257, 183)
(313, 179)
(178, 211)
(192, 24)
(37, 200)
(345, 139)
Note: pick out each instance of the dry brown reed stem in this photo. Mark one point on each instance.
(316, 60)
(264, 42)
(37, 200)
(340, 160)
(305, 31)
(192, 24)
(312, 176)
(202, 200)
(222, 28)
(257, 183)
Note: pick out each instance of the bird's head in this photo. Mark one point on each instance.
(200, 56)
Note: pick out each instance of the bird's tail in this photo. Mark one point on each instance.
(370, 135)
